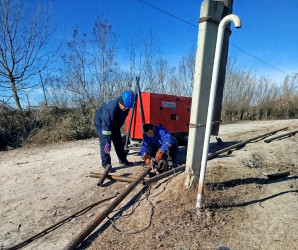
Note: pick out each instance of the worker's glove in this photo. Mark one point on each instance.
(107, 148)
(146, 158)
(158, 156)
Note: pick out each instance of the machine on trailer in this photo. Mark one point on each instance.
(169, 111)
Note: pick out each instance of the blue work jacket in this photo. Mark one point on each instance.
(110, 117)
(162, 139)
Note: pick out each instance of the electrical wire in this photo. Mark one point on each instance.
(113, 219)
(196, 26)
(137, 204)
(180, 19)
(259, 59)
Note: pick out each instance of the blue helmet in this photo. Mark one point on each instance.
(128, 98)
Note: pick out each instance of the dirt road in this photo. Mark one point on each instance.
(243, 209)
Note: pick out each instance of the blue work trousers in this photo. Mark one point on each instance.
(117, 142)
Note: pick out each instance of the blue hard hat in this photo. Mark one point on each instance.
(128, 98)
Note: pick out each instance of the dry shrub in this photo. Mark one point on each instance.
(287, 108)
(15, 127)
(65, 125)
(254, 161)
(44, 125)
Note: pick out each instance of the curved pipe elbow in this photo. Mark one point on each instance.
(230, 18)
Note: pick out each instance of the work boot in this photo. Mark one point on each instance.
(125, 163)
(171, 165)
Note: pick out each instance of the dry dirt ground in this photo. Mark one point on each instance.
(243, 209)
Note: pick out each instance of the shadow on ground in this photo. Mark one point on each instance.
(247, 203)
(88, 241)
(236, 182)
(213, 147)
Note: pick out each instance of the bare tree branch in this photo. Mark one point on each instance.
(24, 35)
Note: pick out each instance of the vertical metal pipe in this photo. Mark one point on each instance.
(131, 116)
(104, 175)
(140, 103)
(218, 49)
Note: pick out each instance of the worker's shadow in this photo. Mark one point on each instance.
(88, 241)
(137, 163)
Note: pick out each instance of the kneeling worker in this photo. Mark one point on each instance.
(159, 144)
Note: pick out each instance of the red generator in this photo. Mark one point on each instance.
(169, 111)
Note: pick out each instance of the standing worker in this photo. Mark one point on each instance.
(108, 120)
(159, 144)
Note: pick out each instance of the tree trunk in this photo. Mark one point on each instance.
(15, 94)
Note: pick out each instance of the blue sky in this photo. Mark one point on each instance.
(268, 30)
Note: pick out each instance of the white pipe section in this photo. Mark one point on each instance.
(218, 49)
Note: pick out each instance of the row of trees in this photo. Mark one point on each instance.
(247, 97)
(87, 72)
(92, 75)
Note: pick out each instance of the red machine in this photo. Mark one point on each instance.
(169, 111)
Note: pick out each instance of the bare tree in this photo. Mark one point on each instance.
(91, 73)
(162, 73)
(288, 103)
(186, 72)
(265, 95)
(58, 94)
(105, 66)
(132, 50)
(290, 86)
(142, 55)
(77, 78)
(23, 36)
(238, 92)
(146, 63)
